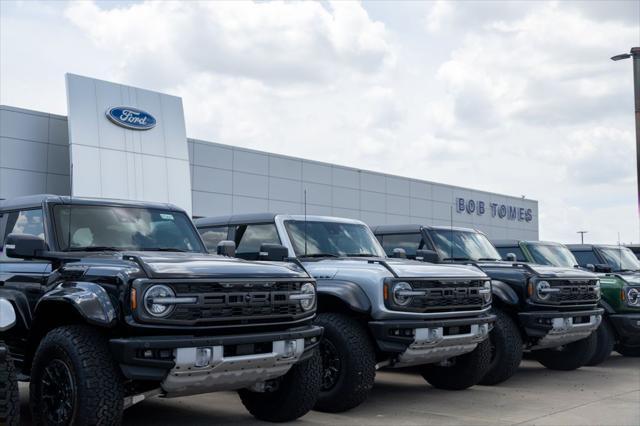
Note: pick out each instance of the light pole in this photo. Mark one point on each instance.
(635, 54)
(582, 236)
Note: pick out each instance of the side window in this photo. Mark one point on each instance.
(586, 257)
(249, 238)
(28, 222)
(409, 242)
(212, 236)
(515, 250)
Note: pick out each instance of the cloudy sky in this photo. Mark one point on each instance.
(517, 98)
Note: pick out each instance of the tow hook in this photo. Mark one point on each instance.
(132, 400)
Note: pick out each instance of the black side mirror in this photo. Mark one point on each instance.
(226, 248)
(602, 267)
(399, 253)
(427, 256)
(511, 257)
(24, 246)
(273, 252)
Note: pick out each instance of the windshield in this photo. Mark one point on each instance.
(552, 254)
(463, 245)
(620, 259)
(93, 228)
(332, 239)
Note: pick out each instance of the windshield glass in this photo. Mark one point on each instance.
(463, 245)
(620, 259)
(552, 254)
(81, 227)
(332, 239)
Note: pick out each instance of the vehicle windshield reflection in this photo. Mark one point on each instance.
(552, 254)
(463, 245)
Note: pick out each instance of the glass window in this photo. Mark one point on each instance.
(585, 258)
(104, 227)
(620, 259)
(463, 245)
(552, 254)
(249, 238)
(312, 238)
(409, 242)
(30, 222)
(504, 251)
(212, 236)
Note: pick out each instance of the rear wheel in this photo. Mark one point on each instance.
(74, 380)
(631, 351)
(9, 398)
(567, 357)
(605, 340)
(506, 350)
(288, 397)
(348, 363)
(460, 372)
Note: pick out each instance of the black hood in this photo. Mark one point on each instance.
(544, 271)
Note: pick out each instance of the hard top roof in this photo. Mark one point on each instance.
(410, 228)
(32, 201)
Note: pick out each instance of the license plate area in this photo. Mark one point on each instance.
(248, 349)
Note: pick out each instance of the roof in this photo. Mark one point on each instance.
(505, 243)
(590, 246)
(411, 228)
(37, 200)
(266, 218)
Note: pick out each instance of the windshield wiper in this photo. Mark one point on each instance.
(456, 258)
(361, 255)
(96, 248)
(164, 249)
(319, 255)
(490, 259)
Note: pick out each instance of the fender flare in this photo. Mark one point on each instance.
(503, 292)
(348, 292)
(90, 300)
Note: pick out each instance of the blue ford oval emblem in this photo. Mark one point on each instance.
(131, 118)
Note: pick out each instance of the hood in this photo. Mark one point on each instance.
(632, 278)
(347, 268)
(545, 271)
(200, 265)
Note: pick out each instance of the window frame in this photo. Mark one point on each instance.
(233, 235)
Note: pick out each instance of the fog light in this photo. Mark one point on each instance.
(148, 353)
(203, 357)
(290, 347)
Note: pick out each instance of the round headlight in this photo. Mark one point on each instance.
(397, 290)
(486, 296)
(541, 290)
(633, 296)
(158, 309)
(308, 303)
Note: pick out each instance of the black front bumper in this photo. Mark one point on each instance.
(627, 328)
(128, 351)
(536, 323)
(382, 331)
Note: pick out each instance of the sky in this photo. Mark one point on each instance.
(518, 98)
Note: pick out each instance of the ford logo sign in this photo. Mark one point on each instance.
(131, 118)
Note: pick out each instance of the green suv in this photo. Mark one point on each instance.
(619, 272)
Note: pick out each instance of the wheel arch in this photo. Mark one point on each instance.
(342, 296)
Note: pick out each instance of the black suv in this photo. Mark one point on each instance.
(117, 301)
(548, 310)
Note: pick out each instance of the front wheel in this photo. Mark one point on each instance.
(605, 339)
(9, 398)
(462, 371)
(348, 363)
(567, 357)
(74, 380)
(506, 350)
(625, 350)
(288, 397)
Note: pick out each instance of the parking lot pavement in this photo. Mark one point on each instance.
(605, 395)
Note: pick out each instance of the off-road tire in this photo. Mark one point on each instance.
(9, 398)
(97, 379)
(605, 340)
(506, 352)
(358, 363)
(568, 357)
(630, 351)
(295, 396)
(466, 370)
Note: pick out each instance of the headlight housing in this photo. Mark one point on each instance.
(150, 300)
(486, 292)
(632, 296)
(309, 291)
(399, 293)
(543, 290)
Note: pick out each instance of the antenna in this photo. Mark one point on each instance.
(619, 250)
(70, 210)
(451, 233)
(305, 221)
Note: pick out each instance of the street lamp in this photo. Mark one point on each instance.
(635, 54)
(582, 236)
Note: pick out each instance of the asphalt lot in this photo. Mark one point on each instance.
(605, 395)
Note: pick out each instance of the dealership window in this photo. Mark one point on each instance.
(585, 258)
(249, 238)
(409, 242)
(212, 236)
(504, 251)
(28, 222)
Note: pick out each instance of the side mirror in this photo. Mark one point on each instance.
(511, 257)
(226, 248)
(399, 253)
(591, 267)
(24, 246)
(273, 252)
(427, 256)
(602, 267)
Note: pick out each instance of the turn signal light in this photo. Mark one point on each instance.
(134, 299)
(530, 289)
(385, 291)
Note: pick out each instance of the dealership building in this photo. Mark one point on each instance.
(125, 142)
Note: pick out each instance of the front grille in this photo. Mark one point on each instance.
(236, 303)
(573, 292)
(447, 295)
